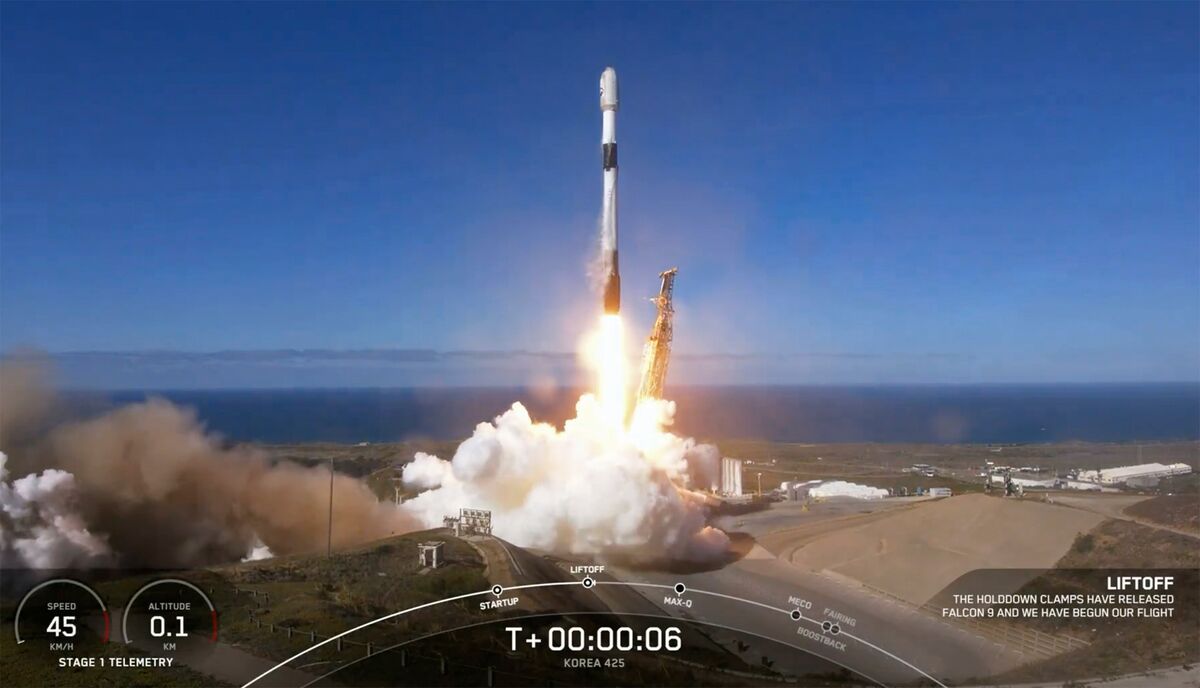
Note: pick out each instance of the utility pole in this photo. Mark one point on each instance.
(329, 541)
(760, 484)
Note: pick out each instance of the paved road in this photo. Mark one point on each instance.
(940, 650)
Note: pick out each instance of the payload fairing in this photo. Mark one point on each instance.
(608, 214)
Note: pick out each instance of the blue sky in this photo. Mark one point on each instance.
(883, 192)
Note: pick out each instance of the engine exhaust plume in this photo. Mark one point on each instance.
(579, 490)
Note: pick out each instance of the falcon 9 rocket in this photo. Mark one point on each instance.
(608, 214)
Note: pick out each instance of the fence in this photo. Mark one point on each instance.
(1023, 640)
(369, 648)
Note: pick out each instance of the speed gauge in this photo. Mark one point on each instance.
(63, 616)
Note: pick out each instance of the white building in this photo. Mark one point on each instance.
(841, 488)
(1034, 483)
(1120, 474)
(1077, 485)
(797, 491)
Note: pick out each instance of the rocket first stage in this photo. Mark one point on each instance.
(608, 215)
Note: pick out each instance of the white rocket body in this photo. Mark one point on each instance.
(608, 213)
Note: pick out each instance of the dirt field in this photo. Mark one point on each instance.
(1110, 505)
(915, 552)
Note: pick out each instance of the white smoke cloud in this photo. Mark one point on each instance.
(152, 484)
(39, 524)
(580, 490)
(703, 467)
(425, 471)
(258, 552)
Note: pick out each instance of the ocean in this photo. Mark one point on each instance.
(819, 414)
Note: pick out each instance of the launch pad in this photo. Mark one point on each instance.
(470, 522)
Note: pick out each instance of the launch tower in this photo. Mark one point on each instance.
(658, 345)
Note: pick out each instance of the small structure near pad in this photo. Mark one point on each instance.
(430, 554)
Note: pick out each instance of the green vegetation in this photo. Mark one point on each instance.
(1180, 511)
(880, 465)
(317, 597)
(1084, 543)
(1120, 646)
(37, 666)
(375, 464)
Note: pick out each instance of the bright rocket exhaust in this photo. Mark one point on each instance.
(608, 215)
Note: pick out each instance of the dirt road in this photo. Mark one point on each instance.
(1114, 506)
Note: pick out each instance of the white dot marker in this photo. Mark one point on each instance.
(497, 590)
(588, 582)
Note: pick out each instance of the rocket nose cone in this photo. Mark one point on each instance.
(608, 89)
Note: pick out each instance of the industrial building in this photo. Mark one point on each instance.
(1033, 483)
(470, 522)
(797, 491)
(1077, 485)
(731, 478)
(1139, 473)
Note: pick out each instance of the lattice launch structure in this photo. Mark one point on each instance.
(657, 354)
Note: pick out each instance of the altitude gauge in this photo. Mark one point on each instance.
(62, 616)
(170, 617)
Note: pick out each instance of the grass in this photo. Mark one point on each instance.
(308, 593)
(25, 666)
(1121, 646)
(1180, 511)
(879, 465)
(326, 596)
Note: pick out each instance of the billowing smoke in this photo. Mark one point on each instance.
(40, 526)
(146, 486)
(581, 490)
